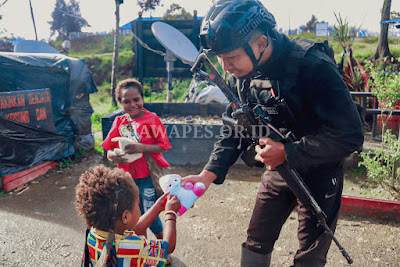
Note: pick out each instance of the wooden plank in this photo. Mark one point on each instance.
(15, 180)
(11, 177)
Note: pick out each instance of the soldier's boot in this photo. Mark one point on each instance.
(253, 259)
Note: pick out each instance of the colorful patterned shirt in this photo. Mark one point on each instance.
(131, 249)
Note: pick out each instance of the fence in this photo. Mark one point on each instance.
(375, 113)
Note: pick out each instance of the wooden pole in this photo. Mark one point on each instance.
(33, 19)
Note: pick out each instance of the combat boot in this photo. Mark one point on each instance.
(253, 259)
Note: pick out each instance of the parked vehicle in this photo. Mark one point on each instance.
(209, 94)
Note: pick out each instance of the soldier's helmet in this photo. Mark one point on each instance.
(229, 25)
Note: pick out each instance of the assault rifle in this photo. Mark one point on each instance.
(248, 118)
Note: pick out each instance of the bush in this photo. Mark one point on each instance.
(382, 163)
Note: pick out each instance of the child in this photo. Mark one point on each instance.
(146, 129)
(108, 201)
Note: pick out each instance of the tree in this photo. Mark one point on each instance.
(67, 18)
(175, 11)
(311, 24)
(147, 5)
(382, 50)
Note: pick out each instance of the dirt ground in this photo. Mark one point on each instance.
(40, 227)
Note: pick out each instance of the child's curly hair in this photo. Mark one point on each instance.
(127, 83)
(96, 195)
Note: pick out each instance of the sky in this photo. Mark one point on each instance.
(100, 14)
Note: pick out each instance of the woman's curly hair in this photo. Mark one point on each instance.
(96, 194)
(128, 83)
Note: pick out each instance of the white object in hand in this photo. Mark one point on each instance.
(122, 142)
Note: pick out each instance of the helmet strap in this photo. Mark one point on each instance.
(250, 53)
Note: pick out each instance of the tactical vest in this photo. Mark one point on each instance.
(292, 65)
(260, 90)
(265, 93)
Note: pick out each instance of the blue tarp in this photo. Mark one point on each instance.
(391, 21)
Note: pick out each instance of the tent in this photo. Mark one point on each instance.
(45, 112)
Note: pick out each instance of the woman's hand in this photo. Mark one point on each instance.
(116, 159)
(135, 148)
(270, 152)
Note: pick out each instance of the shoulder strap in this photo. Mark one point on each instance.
(301, 47)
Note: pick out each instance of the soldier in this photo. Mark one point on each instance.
(264, 64)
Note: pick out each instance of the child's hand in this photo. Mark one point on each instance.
(173, 203)
(161, 201)
(116, 159)
(135, 148)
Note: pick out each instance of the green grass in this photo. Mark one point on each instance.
(363, 48)
(97, 147)
(356, 183)
(96, 45)
(101, 101)
(101, 104)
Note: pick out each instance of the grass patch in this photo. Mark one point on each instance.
(97, 147)
(356, 183)
(76, 158)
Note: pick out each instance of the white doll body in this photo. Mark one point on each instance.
(122, 142)
(187, 195)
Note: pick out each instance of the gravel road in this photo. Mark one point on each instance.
(39, 227)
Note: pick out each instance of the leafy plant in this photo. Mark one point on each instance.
(65, 163)
(78, 154)
(356, 80)
(343, 33)
(382, 163)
